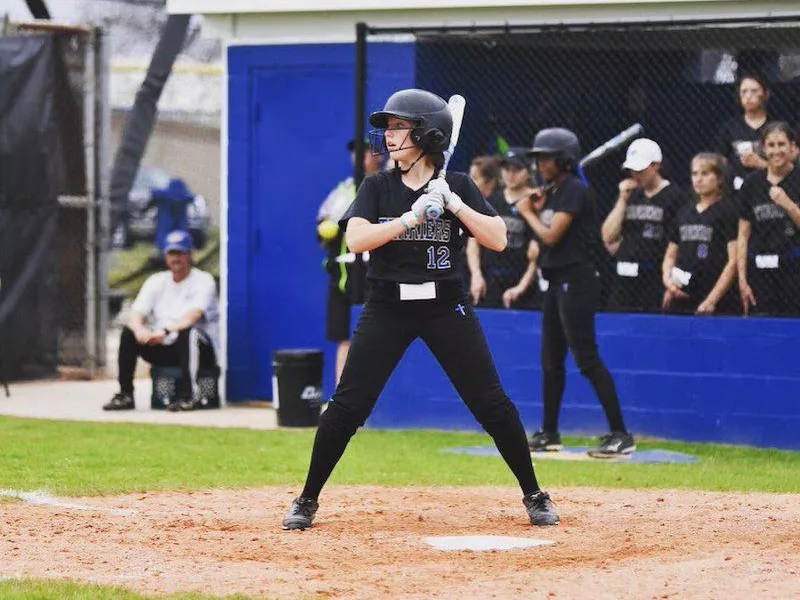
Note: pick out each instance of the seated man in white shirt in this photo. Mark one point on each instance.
(173, 322)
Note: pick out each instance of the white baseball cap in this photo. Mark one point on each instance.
(641, 154)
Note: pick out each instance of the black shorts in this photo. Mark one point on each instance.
(337, 327)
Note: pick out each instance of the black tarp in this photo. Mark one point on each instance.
(28, 206)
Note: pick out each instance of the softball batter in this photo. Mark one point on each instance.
(416, 291)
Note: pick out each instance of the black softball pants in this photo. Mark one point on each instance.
(776, 290)
(643, 293)
(453, 333)
(192, 350)
(568, 324)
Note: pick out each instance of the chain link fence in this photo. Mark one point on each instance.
(184, 144)
(681, 82)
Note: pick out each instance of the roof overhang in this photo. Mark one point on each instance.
(320, 21)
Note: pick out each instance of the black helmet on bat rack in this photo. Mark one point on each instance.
(429, 113)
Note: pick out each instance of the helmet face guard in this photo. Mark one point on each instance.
(377, 136)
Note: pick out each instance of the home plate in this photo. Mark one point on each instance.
(483, 542)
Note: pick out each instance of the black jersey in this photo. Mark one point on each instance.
(773, 231)
(514, 259)
(647, 222)
(430, 251)
(702, 239)
(581, 240)
(733, 139)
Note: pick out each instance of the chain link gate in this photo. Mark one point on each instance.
(81, 113)
(679, 80)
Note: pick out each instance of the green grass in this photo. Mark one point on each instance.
(125, 263)
(79, 458)
(129, 268)
(29, 589)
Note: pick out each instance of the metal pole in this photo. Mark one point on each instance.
(360, 100)
(102, 177)
(142, 117)
(89, 149)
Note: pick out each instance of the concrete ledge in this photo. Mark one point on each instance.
(83, 401)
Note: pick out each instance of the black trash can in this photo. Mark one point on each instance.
(297, 386)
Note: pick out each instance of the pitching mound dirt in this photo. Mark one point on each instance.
(369, 542)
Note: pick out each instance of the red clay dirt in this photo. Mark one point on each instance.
(368, 542)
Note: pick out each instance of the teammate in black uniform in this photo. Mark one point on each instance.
(769, 242)
(567, 230)
(485, 173)
(504, 278)
(635, 231)
(700, 262)
(416, 291)
(345, 269)
(738, 140)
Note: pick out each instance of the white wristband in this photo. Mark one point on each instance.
(455, 204)
(408, 220)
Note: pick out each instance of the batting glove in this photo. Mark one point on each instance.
(426, 206)
(441, 187)
(452, 201)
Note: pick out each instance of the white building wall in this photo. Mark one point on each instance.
(319, 21)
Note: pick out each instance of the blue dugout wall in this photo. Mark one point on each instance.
(704, 379)
(290, 114)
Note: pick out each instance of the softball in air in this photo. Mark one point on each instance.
(327, 230)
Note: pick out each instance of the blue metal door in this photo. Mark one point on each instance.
(290, 115)
(303, 117)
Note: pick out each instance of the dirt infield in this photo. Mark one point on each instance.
(369, 543)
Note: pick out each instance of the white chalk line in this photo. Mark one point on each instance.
(39, 497)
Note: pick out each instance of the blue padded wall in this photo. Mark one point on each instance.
(729, 380)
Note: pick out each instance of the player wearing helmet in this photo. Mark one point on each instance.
(416, 290)
(567, 229)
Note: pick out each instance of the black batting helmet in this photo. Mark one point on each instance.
(433, 123)
(559, 142)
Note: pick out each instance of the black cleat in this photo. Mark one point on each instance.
(544, 441)
(540, 509)
(121, 401)
(301, 514)
(617, 443)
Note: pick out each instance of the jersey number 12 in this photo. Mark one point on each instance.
(438, 258)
